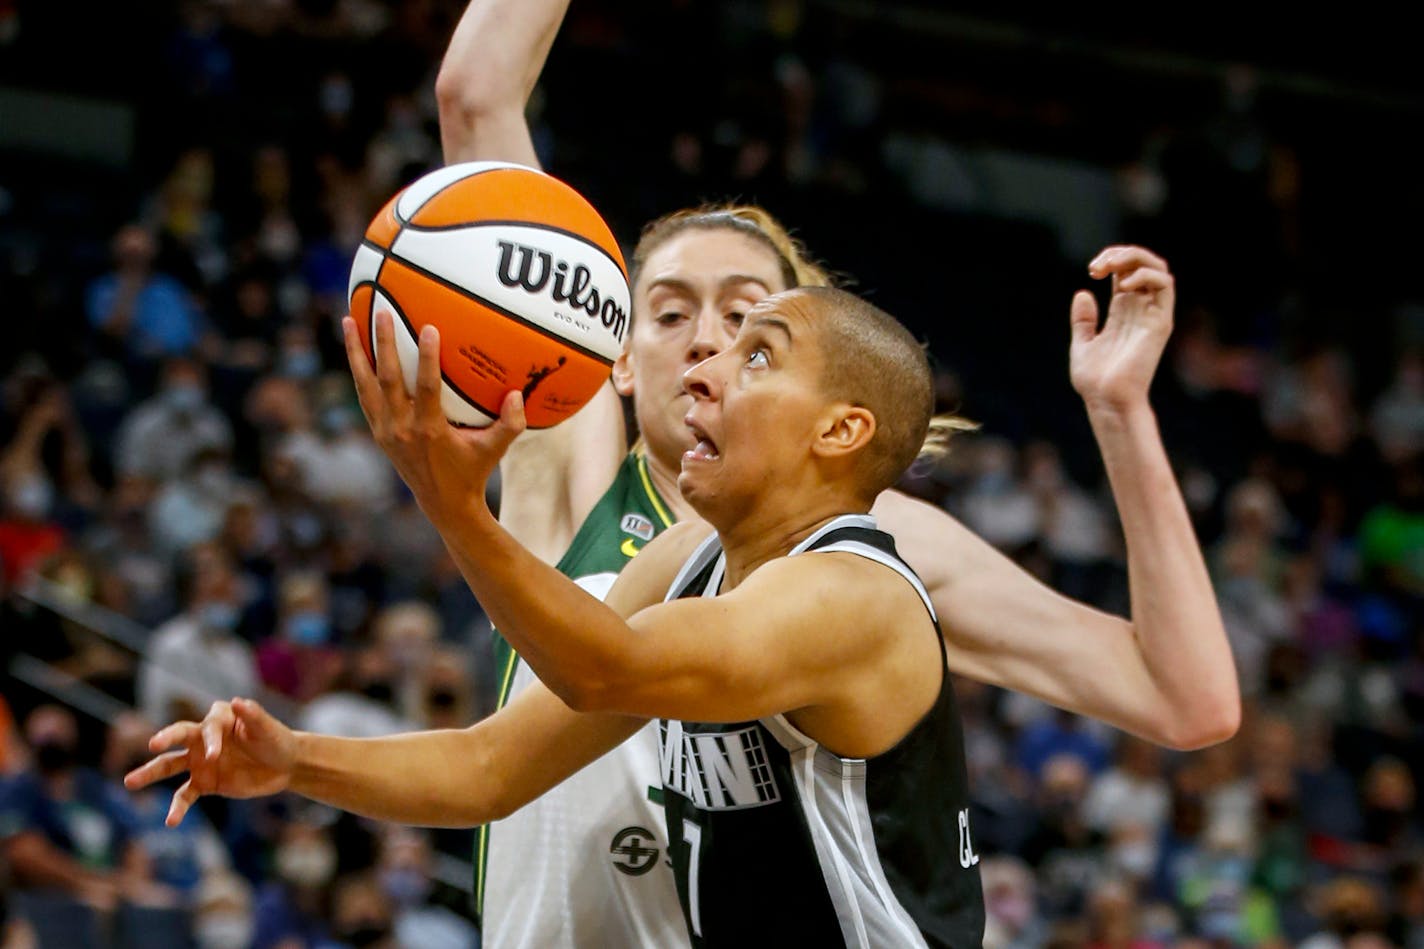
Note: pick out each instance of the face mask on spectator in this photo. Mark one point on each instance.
(407, 886)
(309, 628)
(223, 931)
(31, 497)
(336, 420)
(378, 690)
(218, 617)
(213, 480)
(53, 756)
(1136, 859)
(306, 864)
(300, 363)
(183, 397)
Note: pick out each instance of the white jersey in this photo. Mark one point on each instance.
(586, 865)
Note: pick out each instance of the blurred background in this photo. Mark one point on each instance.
(191, 507)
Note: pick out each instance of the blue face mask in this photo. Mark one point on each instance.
(301, 363)
(218, 617)
(183, 397)
(309, 628)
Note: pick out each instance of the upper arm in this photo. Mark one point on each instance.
(551, 479)
(800, 632)
(536, 742)
(1004, 627)
(489, 70)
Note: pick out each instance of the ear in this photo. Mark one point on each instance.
(845, 430)
(623, 373)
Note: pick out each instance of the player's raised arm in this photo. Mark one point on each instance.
(489, 70)
(1166, 674)
(448, 778)
(551, 478)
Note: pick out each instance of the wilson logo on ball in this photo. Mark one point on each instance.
(574, 288)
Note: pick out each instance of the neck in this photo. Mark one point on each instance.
(665, 481)
(773, 529)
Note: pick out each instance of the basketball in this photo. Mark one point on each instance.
(520, 274)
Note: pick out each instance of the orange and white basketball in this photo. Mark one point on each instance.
(520, 274)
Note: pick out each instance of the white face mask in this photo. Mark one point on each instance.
(31, 498)
(306, 864)
(223, 931)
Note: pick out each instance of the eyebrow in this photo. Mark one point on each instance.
(774, 323)
(731, 280)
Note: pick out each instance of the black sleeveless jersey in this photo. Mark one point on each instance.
(777, 841)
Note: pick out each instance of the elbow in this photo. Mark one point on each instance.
(587, 695)
(1207, 725)
(468, 94)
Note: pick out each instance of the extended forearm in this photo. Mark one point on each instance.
(1175, 616)
(431, 779)
(569, 638)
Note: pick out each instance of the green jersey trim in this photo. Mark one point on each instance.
(643, 494)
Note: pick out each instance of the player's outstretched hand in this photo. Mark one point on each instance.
(444, 465)
(237, 750)
(1112, 367)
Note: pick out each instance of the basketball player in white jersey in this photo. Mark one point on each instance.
(574, 869)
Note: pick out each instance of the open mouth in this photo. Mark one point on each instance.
(705, 449)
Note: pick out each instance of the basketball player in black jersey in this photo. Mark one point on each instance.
(811, 752)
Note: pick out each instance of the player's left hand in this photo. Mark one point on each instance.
(446, 466)
(1112, 367)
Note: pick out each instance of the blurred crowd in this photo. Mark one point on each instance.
(181, 453)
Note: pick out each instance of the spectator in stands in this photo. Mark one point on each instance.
(121, 541)
(361, 913)
(1133, 791)
(1246, 566)
(365, 706)
(405, 868)
(49, 454)
(1348, 907)
(1391, 825)
(196, 658)
(61, 829)
(180, 857)
(408, 632)
(1392, 536)
(1397, 418)
(27, 532)
(160, 437)
(222, 912)
(1012, 919)
(299, 659)
(12, 753)
(149, 313)
(342, 463)
(447, 699)
(191, 509)
(1059, 733)
(1066, 851)
(292, 909)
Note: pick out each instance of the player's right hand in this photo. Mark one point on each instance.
(237, 750)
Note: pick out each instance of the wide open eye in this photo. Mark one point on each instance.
(758, 359)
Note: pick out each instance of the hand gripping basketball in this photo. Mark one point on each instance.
(445, 466)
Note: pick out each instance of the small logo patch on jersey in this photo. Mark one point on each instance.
(720, 771)
(628, 548)
(634, 851)
(637, 525)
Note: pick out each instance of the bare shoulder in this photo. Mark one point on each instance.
(648, 576)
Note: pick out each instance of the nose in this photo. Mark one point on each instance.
(709, 336)
(701, 380)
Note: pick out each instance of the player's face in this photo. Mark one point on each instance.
(756, 407)
(692, 295)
